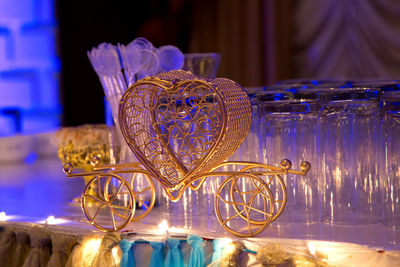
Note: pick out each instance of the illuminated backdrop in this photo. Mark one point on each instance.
(29, 66)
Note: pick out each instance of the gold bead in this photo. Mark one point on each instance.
(68, 168)
(305, 166)
(286, 164)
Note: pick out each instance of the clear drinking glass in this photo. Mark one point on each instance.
(391, 178)
(349, 134)
(202, 64)
(289, 132)
(390, 173)
(250, 149)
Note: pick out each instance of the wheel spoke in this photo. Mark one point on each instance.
(222, 199)
(96, 198)
(142, 191)
(231, 202)
(261, 192)
(122, 212)
(247, 192)
(106, 203)
(97, 212)
(252, 208)
(265, 196)
(133, 180)
(228, 202)
(143, 203)
(119, 207)
(99, 188)
(119, 189)
(248, 223)
(232, 217)
(113, 218)
(237, 190)
(270, 179)
(121, 193)
(260, 211)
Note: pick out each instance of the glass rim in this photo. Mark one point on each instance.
(287, 106)
(203, 55)
(349, 94)
(288, 101)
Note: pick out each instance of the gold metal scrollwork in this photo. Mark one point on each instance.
(182, 128)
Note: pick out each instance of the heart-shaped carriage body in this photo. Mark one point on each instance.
(179, 125)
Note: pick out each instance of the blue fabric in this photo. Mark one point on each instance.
(218, 247)
(196, 256)
(157, 256)
(127, 259)
(174, 256)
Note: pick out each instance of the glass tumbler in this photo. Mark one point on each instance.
(202, 64)
(350, 141)
(289, 132)
(391, 178)
(250, 149)
(390, 174)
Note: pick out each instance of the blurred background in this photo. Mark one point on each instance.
(46, 80)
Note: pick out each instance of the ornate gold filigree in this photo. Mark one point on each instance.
(79, 146)
(182, 128)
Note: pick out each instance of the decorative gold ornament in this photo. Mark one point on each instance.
(81, 145)
(84, 147)
(230, 254)
(272, 255)
(182, 128)
(275, 255)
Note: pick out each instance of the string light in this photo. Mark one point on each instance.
(311, 248)
(3, 216)
(90, 248)
(320, 253)
(51, 220)
(163, 228)
(116, 253)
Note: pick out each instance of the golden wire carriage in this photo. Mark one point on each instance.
(182, 128)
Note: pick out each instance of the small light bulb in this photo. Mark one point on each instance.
(229, 248)
(3, 216)
(51, 220)
(163, 228)
(116, 253)
(90, 249)
(311, 248)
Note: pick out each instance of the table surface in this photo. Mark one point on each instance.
(31, 192)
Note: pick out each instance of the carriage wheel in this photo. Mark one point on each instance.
(106, 211)
(144, 191)
(248, 209)
(278, 188)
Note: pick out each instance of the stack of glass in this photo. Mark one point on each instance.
(349, 131)
(288, 128)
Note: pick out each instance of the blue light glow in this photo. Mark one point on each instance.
(29, 66)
